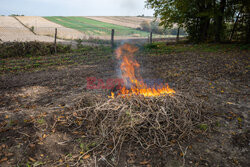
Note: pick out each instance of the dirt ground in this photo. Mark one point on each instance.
(35, 103)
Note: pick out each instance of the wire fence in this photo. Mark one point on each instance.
(88, 34)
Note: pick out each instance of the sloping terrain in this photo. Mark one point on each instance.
(127, 21)
(31, 28)
(43, 26)
(12, 30)
(96, 28)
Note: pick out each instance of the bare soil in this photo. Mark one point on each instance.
(35, 104)
(12, 30)
(41, 26)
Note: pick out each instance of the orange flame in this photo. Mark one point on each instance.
(130, 74)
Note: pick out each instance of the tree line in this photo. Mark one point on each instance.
(156, 28)
(206, 20)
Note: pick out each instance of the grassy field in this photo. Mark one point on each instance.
(41, 26)
(35, 28)
(126, 21)
(94, 27)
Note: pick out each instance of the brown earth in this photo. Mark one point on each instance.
(35, 105)
(45, 27)
(12, 30)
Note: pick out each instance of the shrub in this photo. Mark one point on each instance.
(32, 29)
(22, 49)
(156, 28)
(145, 26)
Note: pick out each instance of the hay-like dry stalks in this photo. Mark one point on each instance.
(149, 122)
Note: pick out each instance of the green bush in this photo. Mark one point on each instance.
(151, 46)
(24, 49)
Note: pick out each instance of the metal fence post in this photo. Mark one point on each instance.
(112, 38)
(55, 41)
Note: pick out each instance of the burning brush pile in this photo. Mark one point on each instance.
(133, 82)
(146, 116)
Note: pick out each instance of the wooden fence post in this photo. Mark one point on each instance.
(178, 34)
(112, 38)
(150, 38)
(55, 41)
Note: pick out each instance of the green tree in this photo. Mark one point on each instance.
(169, 13)
(205, 20)
(156, 28)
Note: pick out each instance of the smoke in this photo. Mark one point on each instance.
(129, 67)
(130, 5)
(134, 8)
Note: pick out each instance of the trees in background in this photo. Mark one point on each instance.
(156, 28)
(16, 15)
(152, 27)
(206, 20)
(145, 26)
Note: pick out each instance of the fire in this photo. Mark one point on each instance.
(131, 76)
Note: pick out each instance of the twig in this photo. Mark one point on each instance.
(184, 154)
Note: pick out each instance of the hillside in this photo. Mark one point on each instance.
(31, 28)
(96, 28)
(42, 26)
(127, 21)
(12, 30)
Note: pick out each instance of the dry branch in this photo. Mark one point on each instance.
(150, 122)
